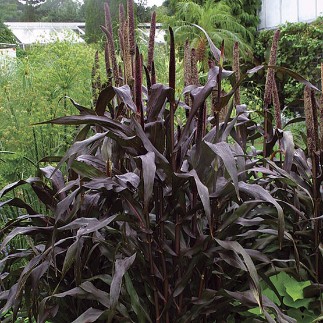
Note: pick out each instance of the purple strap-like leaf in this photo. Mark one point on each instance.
(104, 183)
(198, 95)
(38, 272)
(79, 223)
(294, 75)
(104, 98)
(11, 186)
(64, 206)
(148, 173)
(121, 267)
(289, 148)
(79, 146)
(85, 169)
(87, 291)
(128, 178)
(92, 161)
(45, 195)
(16, 290)
(70, 256)
(89, 316)
(215, 51)
(80, 108)
(214, 72)
(86, 226)
(160, 158)
(95, 227)
(12, 299)
(96, 293)
(124, 94)
(156, 100)
(23, 254)
(92, 120)
(238, 249)
(56, 178)
(260, 193)
(20, 204)
(22, 230)
(286, 71)
(223, 150)
(202, 191)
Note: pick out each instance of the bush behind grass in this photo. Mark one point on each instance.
(33, 90)
(301, 45)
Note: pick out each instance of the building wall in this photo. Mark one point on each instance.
(277, 12)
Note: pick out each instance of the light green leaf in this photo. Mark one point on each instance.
(279, 282)
(302, 316)
(295, 289)
(303, 302)
(271, 295)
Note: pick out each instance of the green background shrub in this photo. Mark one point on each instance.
(301, 50)
(32, 91)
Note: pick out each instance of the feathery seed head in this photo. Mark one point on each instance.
(131, 17)
(236, 69)
(309, 120)
(151, 44)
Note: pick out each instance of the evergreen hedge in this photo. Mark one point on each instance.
(302, 51)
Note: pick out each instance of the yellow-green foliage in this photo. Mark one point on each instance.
(32, 90)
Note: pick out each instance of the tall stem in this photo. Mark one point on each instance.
(172, 82)
(268, 92)
(159, 205)
(151, 41)
(138, 88)
(312, 146)
(219, 89)
(236, 69)
(321, 111)
(187, 73)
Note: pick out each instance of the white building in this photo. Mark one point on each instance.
(7, 55)
(277, 12)
(144, 29)
(28, 33)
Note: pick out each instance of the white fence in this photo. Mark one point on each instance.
(277, 12)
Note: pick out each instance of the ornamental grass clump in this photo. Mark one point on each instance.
(147, 220)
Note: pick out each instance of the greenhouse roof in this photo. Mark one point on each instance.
(160, 33)
(28, 33)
